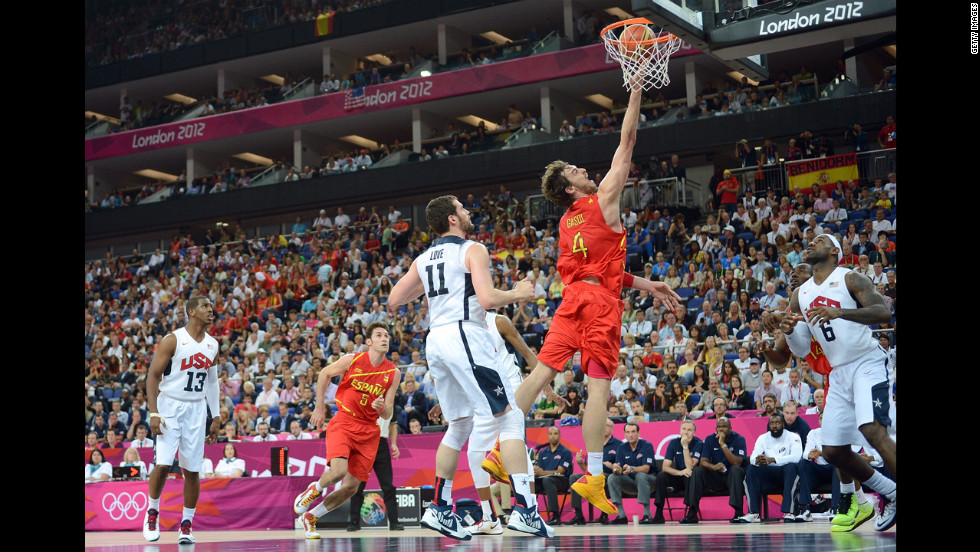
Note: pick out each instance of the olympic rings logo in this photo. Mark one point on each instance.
(124, 505)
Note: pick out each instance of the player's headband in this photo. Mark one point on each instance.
(840, 252)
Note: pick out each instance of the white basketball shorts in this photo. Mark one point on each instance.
(185, 432)
(859, 394)
(462, 360)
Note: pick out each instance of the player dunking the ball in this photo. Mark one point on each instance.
(181, 387)
(366, 391)
(454, 275)
(591, 263)
(835, 307)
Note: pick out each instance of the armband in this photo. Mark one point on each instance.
(628, 280)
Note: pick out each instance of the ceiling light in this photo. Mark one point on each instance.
(604, 101)
(360, 141)
(253, 158)
(180, 98)
(101, 117)
(738, 78)
(157, 175)
(622, 15)
(425, 73)
(495, 37)
(475, 121)
(379, 58)
(274, 79)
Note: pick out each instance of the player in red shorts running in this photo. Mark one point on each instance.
(366, 391)
(591, 263)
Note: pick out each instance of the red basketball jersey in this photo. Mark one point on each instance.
(363, 383)
(589, 247)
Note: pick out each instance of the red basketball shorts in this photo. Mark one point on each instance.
(589, 319)
(354, 440)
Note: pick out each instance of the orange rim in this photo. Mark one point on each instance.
(635, 21)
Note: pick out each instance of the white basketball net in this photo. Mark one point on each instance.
(644, 65)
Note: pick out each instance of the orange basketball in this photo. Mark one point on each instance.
(633, 34)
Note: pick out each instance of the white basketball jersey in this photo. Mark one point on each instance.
(842, 341)
(506, 361)
(185, 378)
(448, 284)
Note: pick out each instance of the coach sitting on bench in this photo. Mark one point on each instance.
(635, 470)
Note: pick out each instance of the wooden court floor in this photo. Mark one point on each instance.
(770, 536)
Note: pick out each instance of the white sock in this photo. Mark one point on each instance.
(154, 503)
(319, 488)
(319, 511)
(847, 488)
(595, 463)
(488, 513)
(859, 495)
(522, 489)
(882, 485)
(446, 492)
(188, 514)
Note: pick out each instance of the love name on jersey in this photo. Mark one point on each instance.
(197, 360)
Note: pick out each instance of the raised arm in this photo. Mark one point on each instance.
(657, 289)
(478, 263)
(611, 187)
(408, 288)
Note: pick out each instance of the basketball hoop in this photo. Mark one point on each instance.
(642, 52)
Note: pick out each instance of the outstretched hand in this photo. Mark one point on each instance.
(562, 402)
(666, 295)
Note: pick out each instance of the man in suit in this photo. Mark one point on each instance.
(281, 420)
(412, 400)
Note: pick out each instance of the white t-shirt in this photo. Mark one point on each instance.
(227, 466)
(93, 471)
(207, 468)
(302, 437)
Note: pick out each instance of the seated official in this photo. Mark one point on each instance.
(635, 470)
(814, 471)
(609, 447)
(724, 456)
(682, 456)
(551, 472)
(230, 465)
(132, 458)
(97, 468)
(772, 465)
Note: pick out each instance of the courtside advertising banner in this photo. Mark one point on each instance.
(263, 501)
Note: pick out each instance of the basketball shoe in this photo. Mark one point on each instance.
(151, 531)
(495, 467)
(528, 520)
(186, 536)
(446, 521)
(593, 489)
(309, 525)
(486, 527)
(303, 501)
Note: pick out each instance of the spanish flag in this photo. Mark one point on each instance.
(324, 23)
(823, 171)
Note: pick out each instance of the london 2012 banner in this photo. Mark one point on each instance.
(537, 68)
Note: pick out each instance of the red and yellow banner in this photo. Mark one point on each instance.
(324, 23)
(822, 171)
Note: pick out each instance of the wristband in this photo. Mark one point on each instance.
(627, 280)
(155, 415)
